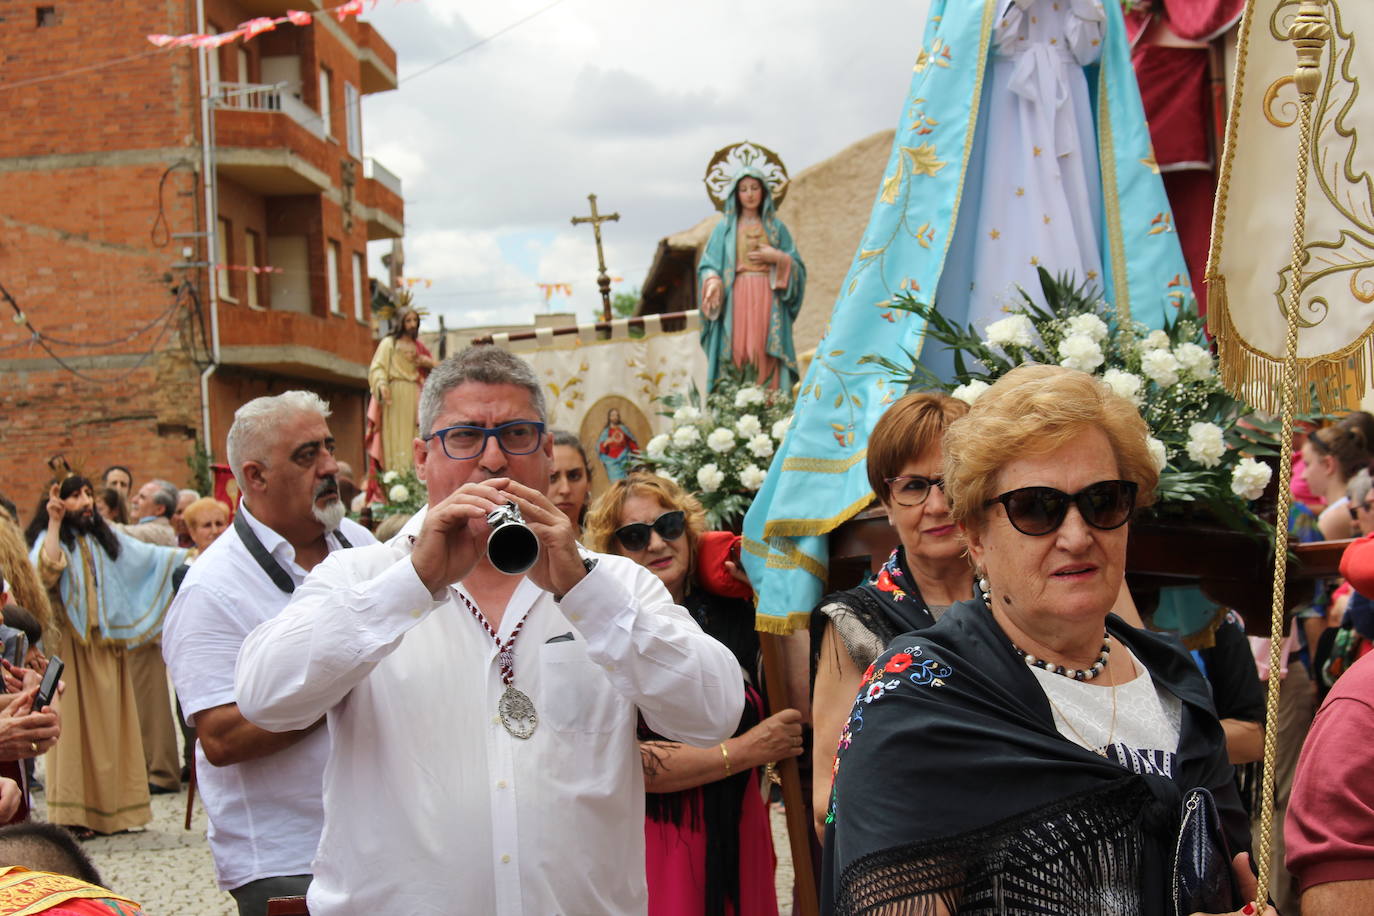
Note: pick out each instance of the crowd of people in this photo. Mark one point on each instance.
(995, 723)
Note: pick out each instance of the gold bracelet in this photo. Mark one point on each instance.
(725, 754)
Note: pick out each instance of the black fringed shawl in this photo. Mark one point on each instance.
(871, 614)
(954, 789)
(717, 804)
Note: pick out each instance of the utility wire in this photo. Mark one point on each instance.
(90, 68)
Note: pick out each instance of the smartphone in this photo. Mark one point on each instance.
(48, 689)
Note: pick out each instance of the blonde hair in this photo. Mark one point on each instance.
(197, 511)
(25, 587)
(1031, 411)
(604, 516)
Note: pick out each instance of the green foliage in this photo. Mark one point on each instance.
(404, 492)
(723, 471)
(1168, 373)
(623, 305)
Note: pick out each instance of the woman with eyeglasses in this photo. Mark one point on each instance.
(1030, 751)
(925, 574)
(709, 847)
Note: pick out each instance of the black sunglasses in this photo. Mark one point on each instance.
(1037, 511)
(635, 537)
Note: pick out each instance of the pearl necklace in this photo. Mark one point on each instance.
(1075, 674)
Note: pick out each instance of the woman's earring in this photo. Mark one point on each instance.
(985, 589)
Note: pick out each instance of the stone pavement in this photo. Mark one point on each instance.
(169, 870)
(165, 868)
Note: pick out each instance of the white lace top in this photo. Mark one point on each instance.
(1145, 739)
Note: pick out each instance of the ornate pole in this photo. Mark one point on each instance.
(603, 280)
(1309, 33)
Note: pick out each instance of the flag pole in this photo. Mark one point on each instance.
(1309, 33)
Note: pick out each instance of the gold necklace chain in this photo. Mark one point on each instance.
(1111, 733)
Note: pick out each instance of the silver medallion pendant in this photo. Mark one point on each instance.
(517, 713)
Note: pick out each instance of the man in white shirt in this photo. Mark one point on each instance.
(262, 790)
(467, 778)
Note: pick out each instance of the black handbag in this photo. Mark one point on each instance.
(1203, 882)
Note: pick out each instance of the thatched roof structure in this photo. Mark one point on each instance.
(827, 209)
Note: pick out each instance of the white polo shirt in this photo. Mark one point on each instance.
(265, 814)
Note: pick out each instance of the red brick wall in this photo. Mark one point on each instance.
(83, 249)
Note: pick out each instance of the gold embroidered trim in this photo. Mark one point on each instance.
(824, 465)
(1111, 203)
(814, 527)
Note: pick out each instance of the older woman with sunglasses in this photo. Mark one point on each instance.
(1032, 752)
(927, 572)
(708, 842)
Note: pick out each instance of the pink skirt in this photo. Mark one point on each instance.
(752, 306)
(676, 858)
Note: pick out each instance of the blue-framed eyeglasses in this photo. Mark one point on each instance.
(518, 437)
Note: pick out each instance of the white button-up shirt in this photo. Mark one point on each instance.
(265, 814)
(430, 805)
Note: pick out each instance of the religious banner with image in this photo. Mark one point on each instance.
(1249, 274)
(606, 391)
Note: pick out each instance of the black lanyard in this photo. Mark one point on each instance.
(280, 577)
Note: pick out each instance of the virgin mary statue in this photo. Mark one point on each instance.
(750, 275)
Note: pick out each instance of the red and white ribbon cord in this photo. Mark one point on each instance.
(254, 27)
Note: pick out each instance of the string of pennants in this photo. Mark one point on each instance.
(251, 268)
(252, 28)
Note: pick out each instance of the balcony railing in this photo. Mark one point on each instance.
(380, 174)
(280, 97)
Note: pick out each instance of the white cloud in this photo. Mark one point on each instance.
(499, 148)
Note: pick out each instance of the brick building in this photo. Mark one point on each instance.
(136, 270)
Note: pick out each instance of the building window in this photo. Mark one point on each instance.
(326, 102)
(359, 277)
(250, 260)
(47, 16)
(222, 260)
(353, 120)
(241, 60)
(332, 278)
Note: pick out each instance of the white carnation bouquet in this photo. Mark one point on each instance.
(1206, 457)
(720, 449)
(405, 494)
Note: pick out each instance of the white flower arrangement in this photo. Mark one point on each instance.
(724, 451)
(1206, 444)
(748, 426)
(1126, 384)
(657, 447)
(686, 436)
(709, 478)
(1250, 478)
(1080, 352)
(1012, 331)
(760, 446)
(405, 494)
(1206, 458)
(720, 439)
(970, 392)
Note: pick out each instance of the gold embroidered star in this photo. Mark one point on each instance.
(1047, 219)
(1037, 150)
(1035, 262)
(1092, 275)
(994, 235)
(1020, 192)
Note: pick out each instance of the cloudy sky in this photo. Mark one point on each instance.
(499, 147)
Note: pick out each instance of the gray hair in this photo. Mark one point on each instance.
(165, 496)
(1358, 487)
(182, 494)
(256, 422)
(485, 363)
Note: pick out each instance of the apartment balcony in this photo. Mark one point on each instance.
(380, 203)
(377, 60)
(269, 141)
(334, 349)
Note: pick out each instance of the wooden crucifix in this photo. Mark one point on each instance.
(603, 280)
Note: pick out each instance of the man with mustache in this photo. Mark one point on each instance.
(108, 593)
(261, 789)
